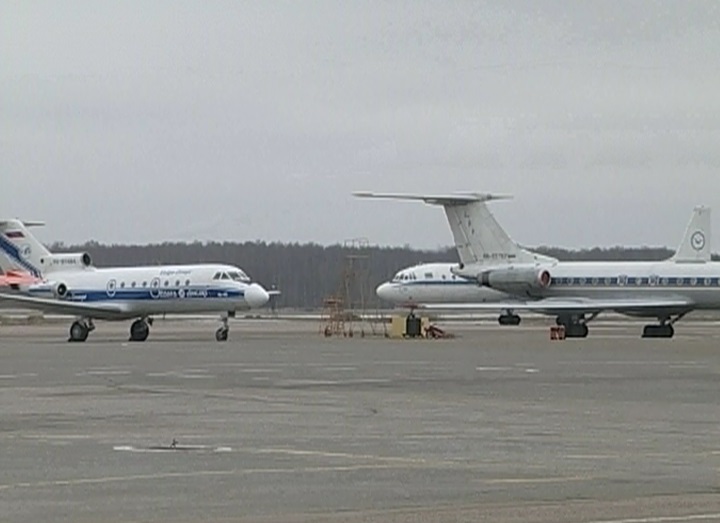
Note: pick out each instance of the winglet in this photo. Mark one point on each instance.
(696, 245)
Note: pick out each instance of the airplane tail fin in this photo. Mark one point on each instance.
(479, 238)
(20, 249)
(695, 246)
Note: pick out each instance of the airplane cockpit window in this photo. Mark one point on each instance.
(224, 276)
(239, 276)
(217, 276)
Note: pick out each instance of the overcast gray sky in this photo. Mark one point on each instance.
(151, 121)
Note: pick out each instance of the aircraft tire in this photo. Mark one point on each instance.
(222, 334)
(576, 330)
(658, 331)
(509, 319)
(78, 332)
(139, 330)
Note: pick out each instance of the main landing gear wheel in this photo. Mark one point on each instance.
(78, 331)
(139, 330)
(664, 330)
(575, 327)
(509, 319)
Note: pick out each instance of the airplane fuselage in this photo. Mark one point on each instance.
(145, 291)
(436, 283)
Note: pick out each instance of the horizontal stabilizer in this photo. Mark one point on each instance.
(25, 223)
(448, 199)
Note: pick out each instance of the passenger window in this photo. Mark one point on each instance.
(177, 283)
(167, 283)
(187, 283)
(132, 285)
(122, 284)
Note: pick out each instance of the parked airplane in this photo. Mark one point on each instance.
(576, 292)
(69, 284)
(436, 286)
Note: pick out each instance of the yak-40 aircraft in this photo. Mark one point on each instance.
(495, 273)
(69, 284)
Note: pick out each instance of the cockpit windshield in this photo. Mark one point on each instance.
(238, 276)
(404, 276)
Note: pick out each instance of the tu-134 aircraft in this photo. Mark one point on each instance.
(70, 284)
(495, 273)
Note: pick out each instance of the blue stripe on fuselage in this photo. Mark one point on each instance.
(182, 293)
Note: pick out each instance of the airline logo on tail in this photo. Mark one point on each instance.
(18, 255)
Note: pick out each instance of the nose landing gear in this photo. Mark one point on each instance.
(222, 333)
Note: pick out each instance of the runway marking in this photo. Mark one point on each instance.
(529, 370)
(333, 382)
(192, 474)
(298, 452)
(181, 375)
(104, 373)
(662, 519)
(513, 481)
(592, 456)
(179, 448)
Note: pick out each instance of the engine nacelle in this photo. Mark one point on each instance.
(68, 261)
(516, 279)
(60, 290)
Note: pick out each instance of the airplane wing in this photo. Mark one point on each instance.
(553, 306)
(94, 310)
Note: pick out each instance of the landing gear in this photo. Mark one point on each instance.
(664, 330)
(575, 325)
(222, 333)
(509, 318)
(139, 330)
(79, 330)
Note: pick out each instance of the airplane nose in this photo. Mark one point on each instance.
(256, 296)
(385, 291)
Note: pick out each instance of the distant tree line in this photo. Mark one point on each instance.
(308, 273)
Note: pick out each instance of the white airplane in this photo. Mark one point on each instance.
(574, 292)
(436, 286)
(69, 284)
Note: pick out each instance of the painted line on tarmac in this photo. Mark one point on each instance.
(347, 455)
(192, 474)
(520, 481)
(663, 519)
